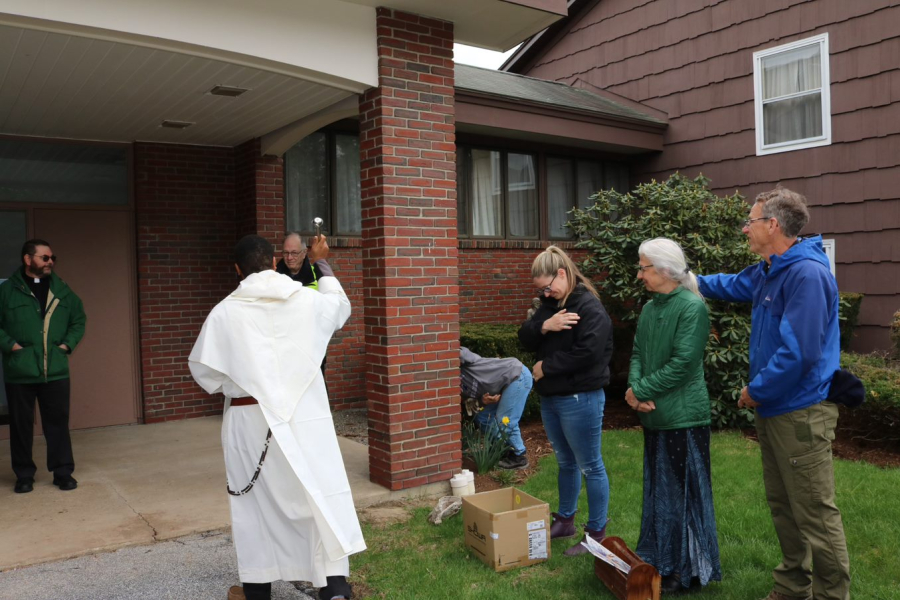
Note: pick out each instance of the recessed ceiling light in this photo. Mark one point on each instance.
(227, 90)
(175, 124)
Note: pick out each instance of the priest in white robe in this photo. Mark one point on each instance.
(291, 508)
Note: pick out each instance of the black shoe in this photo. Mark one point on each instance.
(65, 482)
(337, 587)
(24, 485)
(513, 461)
(671, 585)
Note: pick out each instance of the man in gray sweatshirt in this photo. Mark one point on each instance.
(502, 384)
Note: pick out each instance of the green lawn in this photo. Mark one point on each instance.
(417, 560)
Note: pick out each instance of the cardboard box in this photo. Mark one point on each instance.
(507, 528)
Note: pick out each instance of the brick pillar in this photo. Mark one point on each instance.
(259, 185)
(408, 153)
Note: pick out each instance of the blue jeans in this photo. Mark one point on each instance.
(512, 403)
(573, 425)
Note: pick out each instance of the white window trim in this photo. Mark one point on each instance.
(828, 246)
(825, 138)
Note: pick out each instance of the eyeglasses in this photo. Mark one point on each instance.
(547, 288)
(643, 268)
(748, 222)
(294, 254)
(45, 257)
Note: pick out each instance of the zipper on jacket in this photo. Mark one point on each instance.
(52, 303)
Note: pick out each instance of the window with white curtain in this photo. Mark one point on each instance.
(792, 96)
(497, 194)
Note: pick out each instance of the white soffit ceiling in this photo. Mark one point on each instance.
(60, 85)
(491, 24)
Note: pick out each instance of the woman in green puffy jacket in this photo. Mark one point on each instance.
(668, 389)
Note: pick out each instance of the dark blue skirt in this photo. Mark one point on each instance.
(678, 524)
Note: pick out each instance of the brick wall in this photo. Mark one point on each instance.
(184, 211)
(408, 162)
(345, 372)
(495, 279)
(193, 203)
(495, 284)
(259, 188)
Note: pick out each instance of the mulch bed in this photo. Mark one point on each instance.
(618, 415)
(848, 447)
(537, 445)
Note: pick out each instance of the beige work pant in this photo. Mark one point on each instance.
(799, 478)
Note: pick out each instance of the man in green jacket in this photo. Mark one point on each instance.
(41, 322)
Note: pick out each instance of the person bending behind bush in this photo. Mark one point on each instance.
(502, 384)
(668, 389)
(571, 334)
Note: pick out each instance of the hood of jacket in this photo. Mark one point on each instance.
(810, 248)
(266, 285)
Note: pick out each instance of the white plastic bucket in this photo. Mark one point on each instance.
(459, 486)
(470, 478)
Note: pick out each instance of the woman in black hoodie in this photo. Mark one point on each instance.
(571, 334)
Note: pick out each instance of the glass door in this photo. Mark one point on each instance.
(13, 233)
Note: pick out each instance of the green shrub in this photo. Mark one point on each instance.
(709, 228)
(484, 446)
(895, 334)
(849, 316)
(500, 341)
(878, 419)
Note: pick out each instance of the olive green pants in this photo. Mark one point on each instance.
(799, 477)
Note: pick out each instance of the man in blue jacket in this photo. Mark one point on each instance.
(794, 352)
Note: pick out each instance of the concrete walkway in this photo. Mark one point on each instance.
(137, 485)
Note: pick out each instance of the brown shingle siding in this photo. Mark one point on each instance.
(694, 61)
(862, 247)
(704, 55)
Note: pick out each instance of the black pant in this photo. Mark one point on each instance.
(257, 591)
(337, 586)
(53, 401)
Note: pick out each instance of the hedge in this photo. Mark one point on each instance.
(849, 316)
(500, 341)
(895, 334)
(878, 419)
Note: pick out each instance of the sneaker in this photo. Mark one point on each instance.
(514, 461)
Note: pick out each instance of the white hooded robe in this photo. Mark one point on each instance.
(267, 340)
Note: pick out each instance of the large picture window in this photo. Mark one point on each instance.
(571, 183)
(792, 96)
(497, 194)
(321, 178)
(499, 191)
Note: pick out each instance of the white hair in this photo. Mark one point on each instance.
(668, 259)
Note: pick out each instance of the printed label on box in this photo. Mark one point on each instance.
(537, 544)
(535, 525)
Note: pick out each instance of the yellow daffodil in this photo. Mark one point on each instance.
(506, 420)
